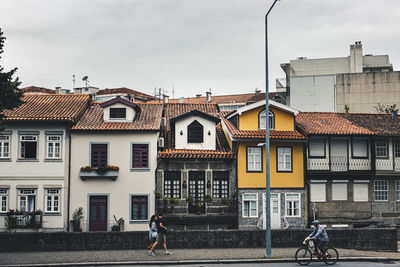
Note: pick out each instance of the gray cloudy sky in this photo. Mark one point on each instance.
(189, 44)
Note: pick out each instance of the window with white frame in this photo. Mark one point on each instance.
(254, 160)
(339, 190)
(381, 190)
(4, 200)
(172, 184)
(360, 191)
(381, 147)
(250, 205)
(396, 148)
(284, 155)
(220, 184)
(292, 204)
(27, 200)
(4, 146)
(53, 200)
(318, 191)
(53, 146)
(397, 190)
(28, 146)
(262, 120)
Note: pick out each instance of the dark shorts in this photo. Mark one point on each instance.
(162, 238)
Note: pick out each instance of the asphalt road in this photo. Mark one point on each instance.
(316, 264)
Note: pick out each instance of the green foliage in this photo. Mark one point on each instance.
(346, 108)
(77, 216)
(10, 95)
(382, 108)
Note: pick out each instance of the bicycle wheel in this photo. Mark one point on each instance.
(303, 256)
(331, 256)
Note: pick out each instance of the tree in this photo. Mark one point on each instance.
(10, 95)
(382, 108)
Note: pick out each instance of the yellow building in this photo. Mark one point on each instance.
(245, 132)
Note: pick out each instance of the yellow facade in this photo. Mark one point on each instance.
(284, 121)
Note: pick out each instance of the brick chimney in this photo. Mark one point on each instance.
(208, 97)
(58, 90)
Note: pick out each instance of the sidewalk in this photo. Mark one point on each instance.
(190, 255)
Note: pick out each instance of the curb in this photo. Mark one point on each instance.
(190, 262)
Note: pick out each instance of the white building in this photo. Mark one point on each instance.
(329, 84)
(117, 140)
(34, 160)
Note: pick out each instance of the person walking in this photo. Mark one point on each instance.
(162, 235)
(152, 233)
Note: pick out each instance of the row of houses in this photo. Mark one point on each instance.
(203, 168)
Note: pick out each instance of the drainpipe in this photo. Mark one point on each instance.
(69, 178)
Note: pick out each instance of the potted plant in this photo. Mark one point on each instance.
(157, 194)
(118, 224)
(77, 216)
(189, 199)
(199, 207)
(226, 201)
(207, 198)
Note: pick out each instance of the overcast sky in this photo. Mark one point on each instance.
(191, 45)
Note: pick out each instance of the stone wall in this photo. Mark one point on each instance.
(365, 239)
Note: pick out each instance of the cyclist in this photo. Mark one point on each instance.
(319, 236)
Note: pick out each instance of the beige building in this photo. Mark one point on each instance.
(114, 159)
(34, 160)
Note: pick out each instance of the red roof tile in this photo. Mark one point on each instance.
(124, 90)
(329, 123)
(148, 119)
(380, 124)
(37, 90)
(46, 107)
(260, 134)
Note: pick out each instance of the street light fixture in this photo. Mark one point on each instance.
(267, 178)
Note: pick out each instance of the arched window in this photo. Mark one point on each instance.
(195, 132)
(262, 120)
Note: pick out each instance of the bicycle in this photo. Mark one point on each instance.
(304, 255)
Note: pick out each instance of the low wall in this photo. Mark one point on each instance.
(363, 239)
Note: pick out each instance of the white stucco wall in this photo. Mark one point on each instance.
(38, 173)
(313, 93)
(128, 182)
(209, 141)
(130, 113)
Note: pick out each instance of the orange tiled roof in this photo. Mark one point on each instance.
(222, 150)
(329, 123)
(222, 99)
(148, 119)
(47, 107)
(124, 90)
(35, 89)
(260, 134)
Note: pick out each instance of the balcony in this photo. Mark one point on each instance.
(107, 171)
(338, 164)
(24, 220)
(182, 207)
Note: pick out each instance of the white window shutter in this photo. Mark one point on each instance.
(339, 191)
(360, 192)
(318, 192)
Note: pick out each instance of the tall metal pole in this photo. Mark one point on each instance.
(267, 178)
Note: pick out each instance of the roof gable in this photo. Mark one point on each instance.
(121, 101)
(258, 104)
(195, 112)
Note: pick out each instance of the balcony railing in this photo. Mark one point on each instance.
(26, 220)
(338, 164)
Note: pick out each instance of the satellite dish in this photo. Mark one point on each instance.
(85, 78)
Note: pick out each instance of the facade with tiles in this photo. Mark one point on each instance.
(245, 131)
(352, 168)
(114, 159)
(196, 175)
(34, 160)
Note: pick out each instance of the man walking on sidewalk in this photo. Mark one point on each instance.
(162, 236)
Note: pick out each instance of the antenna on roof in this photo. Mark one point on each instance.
(86, 80)
(73, 80)
(173, 92)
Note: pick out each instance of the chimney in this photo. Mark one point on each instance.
(356, 58)
(208, 97)
(165, 99)
(198, 95)
(182, 100)
(58, 90)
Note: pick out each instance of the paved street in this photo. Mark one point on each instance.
(179, 256)
(340, 264)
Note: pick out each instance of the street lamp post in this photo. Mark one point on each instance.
(267, 178)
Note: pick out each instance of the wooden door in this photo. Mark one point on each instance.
(98, 213)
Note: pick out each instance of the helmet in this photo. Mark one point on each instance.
(315, 222)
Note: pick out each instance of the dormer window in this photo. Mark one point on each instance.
(117, 113)
(195, 132)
